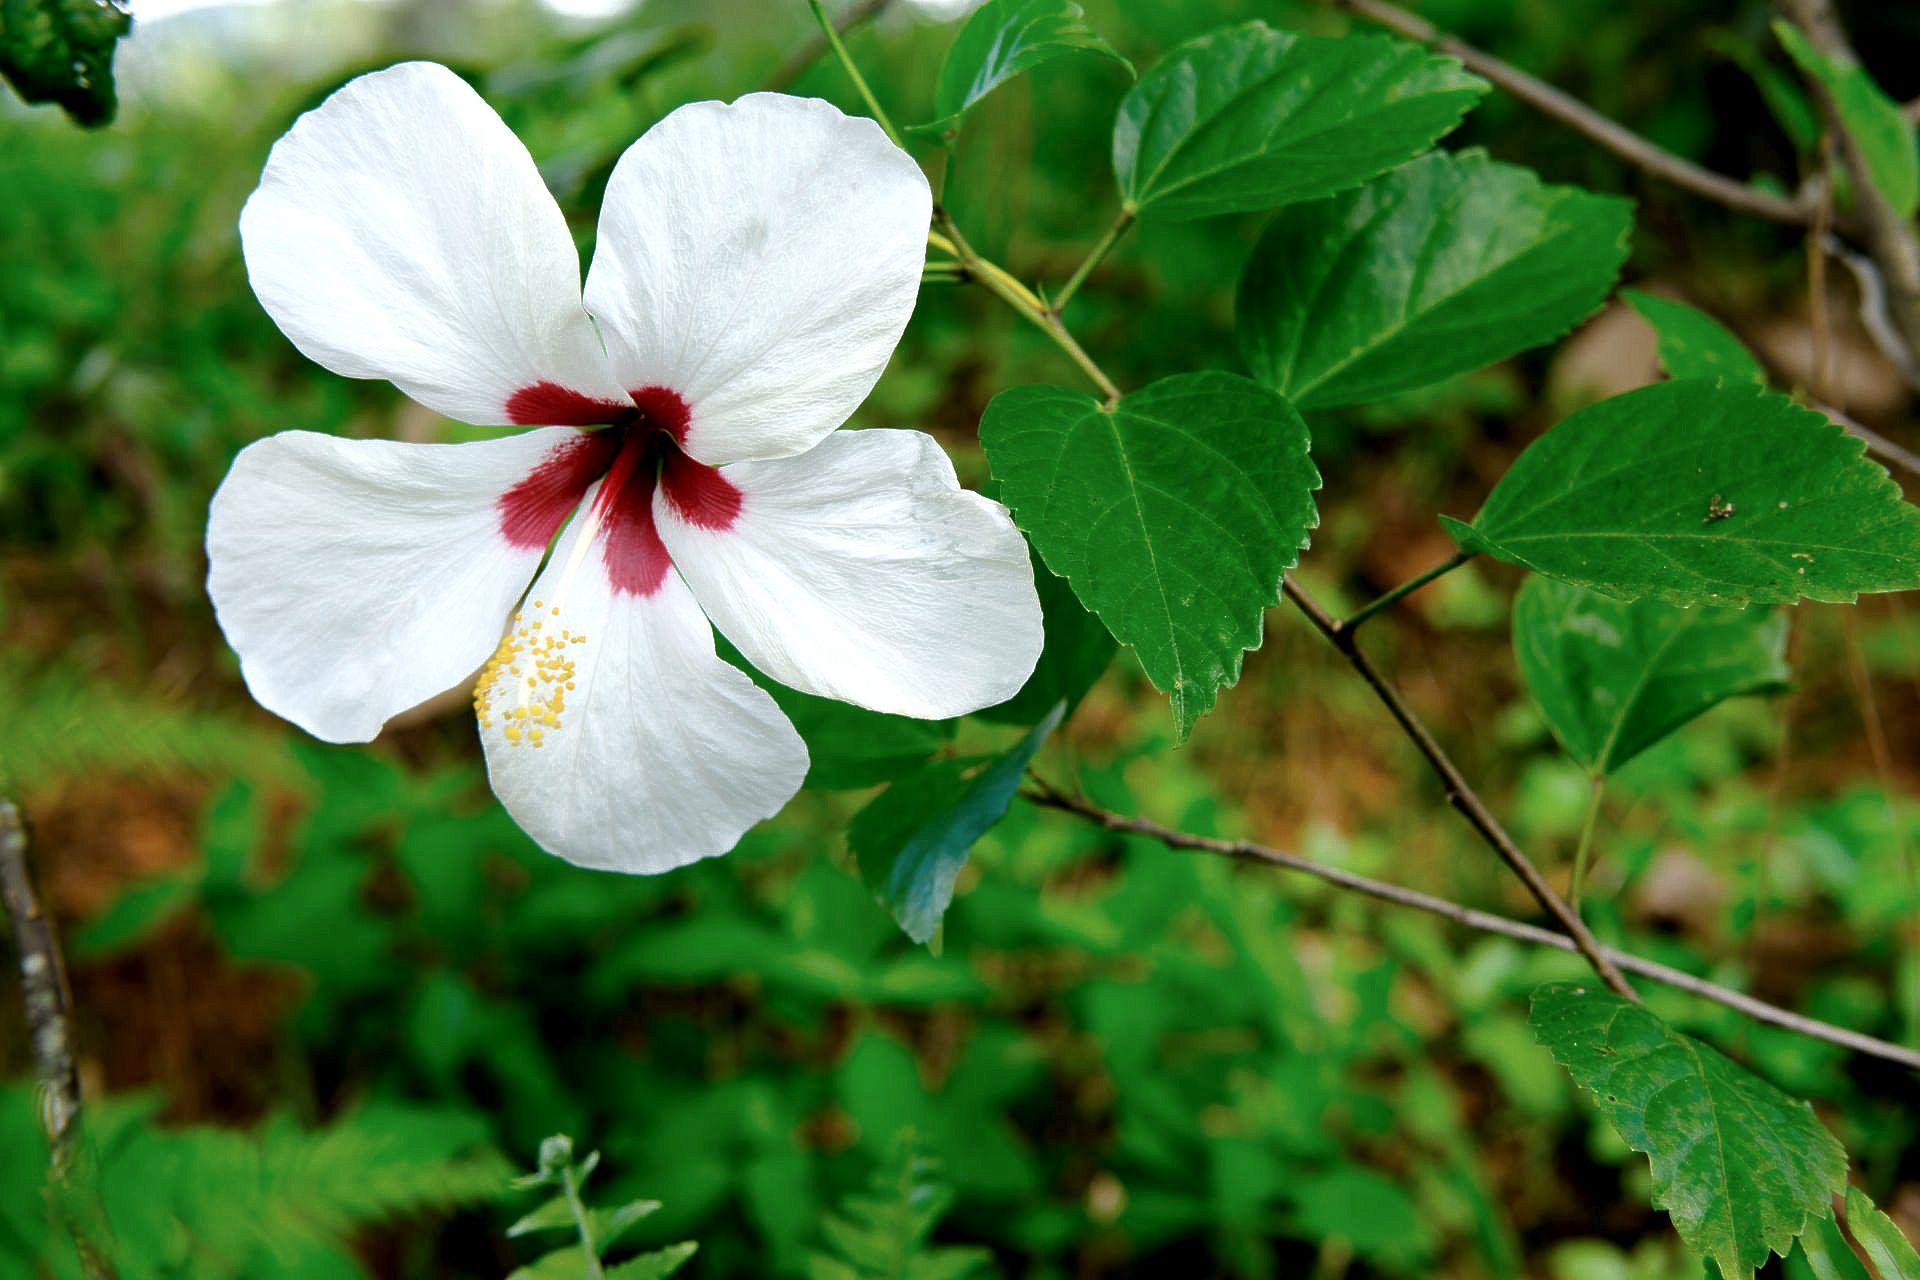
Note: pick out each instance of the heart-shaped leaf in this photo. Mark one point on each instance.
(1248, 117)
(1692, 344)
(912, 839)
(1003, 39)
(1741, 1167)
(1173, 514)
(1698, 493)
(1613, 677)
(1444, 265)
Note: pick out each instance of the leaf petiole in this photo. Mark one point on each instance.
(1583, 852)
(1390, 598)
(1095, 256)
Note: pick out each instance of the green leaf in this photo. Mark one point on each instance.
(1613, 677)
(1786, 100)
(913, 838)
(1741, 1167)
(1890, 1252)
(1445, 265)
(1173, 514)
(882, 1234)
(848, 747)
(1692, 344)
(62, 51)
(1078, 651)
(657, 1265)
(1248, 117)
(1004, 38)
(1698, 492)
(607, 1225)
(1882, 131)
(1828, 1254)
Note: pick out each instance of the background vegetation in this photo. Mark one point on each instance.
(328, 998)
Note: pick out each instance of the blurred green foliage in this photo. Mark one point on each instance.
(1125, 1060)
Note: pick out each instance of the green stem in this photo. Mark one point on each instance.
(1405, 589)
(859, 81)
(1022, 299)
(1094, 257)
(579, 1210)
(1584, 850)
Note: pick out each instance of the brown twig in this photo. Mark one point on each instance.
(43, 985)
(1484, 921)
(794, 64)
(1577, 115)
(1461, 793)
(49, 1010)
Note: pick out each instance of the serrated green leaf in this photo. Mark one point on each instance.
(657, 1265)
(1442, 266)
(1701, 493)
(1005, 38)
(1882, 131)
(1173, 514)
(1692, 344)
(1613, 677)
(62, 51)
(1078, 650)
(912, 839)
(1890, 1252)
(1741, 1167)
(1248, 117)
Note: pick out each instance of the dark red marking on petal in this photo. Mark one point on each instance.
(637, 561)
(548, 404)
(699, 493)
(531, 512)
(663, 408)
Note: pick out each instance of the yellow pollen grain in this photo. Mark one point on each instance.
(526, 681)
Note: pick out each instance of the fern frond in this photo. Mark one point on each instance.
(881, 1234)
(63, 723)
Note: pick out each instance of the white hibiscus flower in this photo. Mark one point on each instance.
(756, 265)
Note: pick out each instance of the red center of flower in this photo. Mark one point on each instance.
(639, 447)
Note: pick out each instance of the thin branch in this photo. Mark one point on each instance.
(43, 986)
(1577, 115)
(1460, 792)
(1890, 238)
(806, 55)
(49, 1010)
(1484, 921)
(1009, 289)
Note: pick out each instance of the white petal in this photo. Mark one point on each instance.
(862, 571)
(401, 231)
(759, 260)
(663, 754)
(357, 578)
